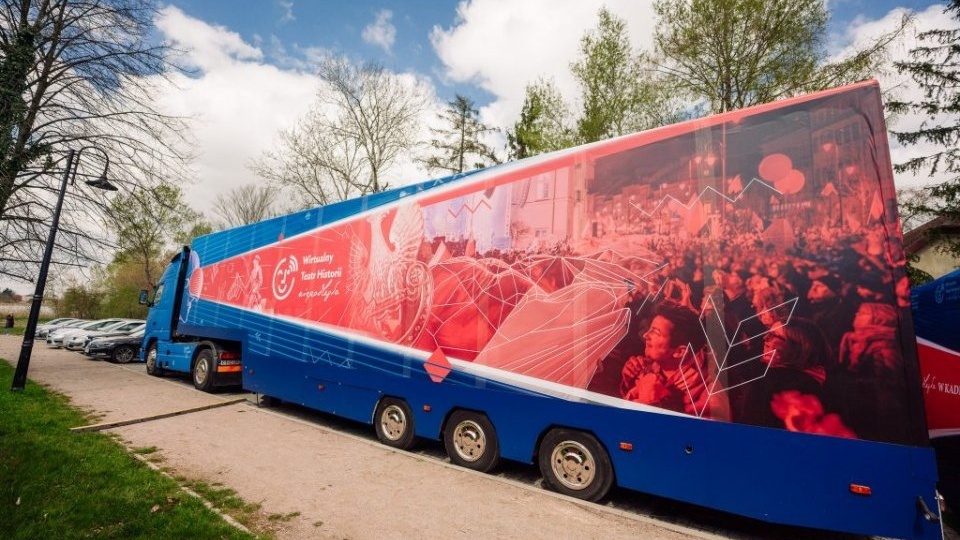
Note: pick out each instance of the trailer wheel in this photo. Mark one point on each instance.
(394, 423)
(151, 358)
(124, 354)
(575, 464)
(471, 441)
(203, 370)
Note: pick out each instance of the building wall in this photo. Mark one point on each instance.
(935, 263)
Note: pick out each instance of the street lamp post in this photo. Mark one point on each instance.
(69, 176)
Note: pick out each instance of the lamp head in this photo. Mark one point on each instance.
(102, 183)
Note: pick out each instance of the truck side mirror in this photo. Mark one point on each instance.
(143, 298)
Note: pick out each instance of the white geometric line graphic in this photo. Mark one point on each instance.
(720, 351)
(670, 198)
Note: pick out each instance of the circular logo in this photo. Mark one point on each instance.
(284, 277)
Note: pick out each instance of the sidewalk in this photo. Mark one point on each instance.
(339, 486)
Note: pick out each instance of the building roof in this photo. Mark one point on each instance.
(920, 237)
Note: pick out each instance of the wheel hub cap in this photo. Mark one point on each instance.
(469, 440)
(573, 465)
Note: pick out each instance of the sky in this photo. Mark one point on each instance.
(253, 63)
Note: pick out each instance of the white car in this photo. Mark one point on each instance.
(55, 337)
(45, 328)
(78, 340)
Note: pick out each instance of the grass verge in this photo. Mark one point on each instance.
(58, 484)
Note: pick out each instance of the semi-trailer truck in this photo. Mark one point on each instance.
(708, 312)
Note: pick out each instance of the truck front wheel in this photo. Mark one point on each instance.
(151, 358)
(471, 441)
(203, 369)
(394, 423)
(575, 464)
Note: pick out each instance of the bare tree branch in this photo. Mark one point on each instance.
(246, 204)
(364, 119)
(76, 73)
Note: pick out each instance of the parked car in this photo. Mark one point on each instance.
(77, 340)
(45, 328)
(55, 337)
(119, 349)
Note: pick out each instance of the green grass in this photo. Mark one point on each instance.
(226, 500)
(19, 322)
(55, 483)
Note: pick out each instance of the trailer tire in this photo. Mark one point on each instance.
(151, 359)
(471, 441)
(124, 354)
(203, 370)
(393, 422)
(574, 463)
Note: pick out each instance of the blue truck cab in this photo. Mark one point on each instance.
(166, 348)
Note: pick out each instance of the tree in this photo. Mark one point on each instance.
(246, 204)
(148, 222)
(738, 53)
(933, 66)
(544, 122)
(197, 228)
(459, 143)
(8, 296)
(912, 205)
(75, 73)
(82, 301)
(120, 283)
(619, 93)
(363, 120)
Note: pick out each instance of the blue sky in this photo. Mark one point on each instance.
(393, 33)
(397, 33)
(254, 60)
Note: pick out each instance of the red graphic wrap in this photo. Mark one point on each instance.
(739, 268)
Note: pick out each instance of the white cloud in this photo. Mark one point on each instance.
(900, 86)
(234, 102)
(381, 32)
(502, 45)
(205, 46)
(287, 8)
(237, 102)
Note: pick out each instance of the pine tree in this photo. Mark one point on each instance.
(458, 142)
(933, 65)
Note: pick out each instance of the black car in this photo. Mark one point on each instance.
(119, 349)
